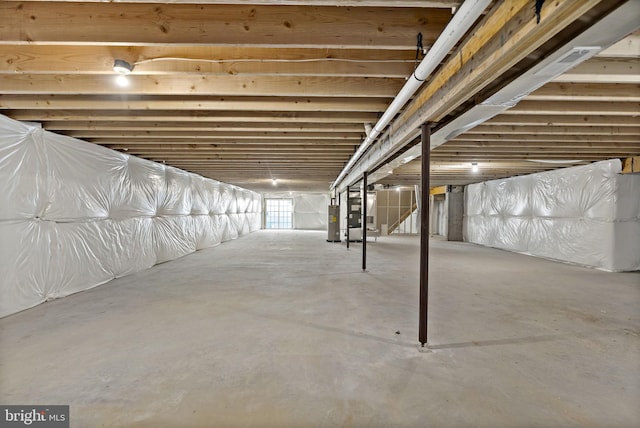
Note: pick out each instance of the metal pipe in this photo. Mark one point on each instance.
(424, 233)
(364, 221)
(467, 14)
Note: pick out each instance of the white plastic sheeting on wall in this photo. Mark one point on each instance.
(589, 215)
(74, 215)
(309, 209)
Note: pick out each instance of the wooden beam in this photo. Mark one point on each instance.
(210, 135)
(184, 58)
(193, 102)
(464, 157)
(563, 120)
(298, 160)
(258, 149)
(243, 165)
(488, 128)
(629, 47)
(201, 85)
(516, 139)
(218, 61)
(509, 34)
(155, 24)
(224, 157)
(570, 152)
(631, 165)
(355, 3)
(438, 190)
(192, 116)
(138, 141)
(604, 70)
(572, 108)
(508, 146)
(203, 148)
(357, 129)
(557, 91)
(276, 156)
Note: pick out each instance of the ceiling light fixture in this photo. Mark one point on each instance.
(123, 68)
(274, 182)
(475, 167)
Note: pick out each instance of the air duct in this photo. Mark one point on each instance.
(465, 17)
(601, 35)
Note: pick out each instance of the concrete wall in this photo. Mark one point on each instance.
(455, 213)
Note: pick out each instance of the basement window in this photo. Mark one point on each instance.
(279, 214)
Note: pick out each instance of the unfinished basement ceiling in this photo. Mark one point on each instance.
(248, 91)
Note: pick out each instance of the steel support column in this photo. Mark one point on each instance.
(424, 233)
(364, 220)
(348, 214)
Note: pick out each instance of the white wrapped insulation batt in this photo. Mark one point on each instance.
(588, 215)
(310, 210)
(74, 215)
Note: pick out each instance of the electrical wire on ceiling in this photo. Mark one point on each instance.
(420, 53)
(221, 61)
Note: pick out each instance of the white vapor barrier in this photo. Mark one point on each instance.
(74, 215)
(310, 210)
(588, 215)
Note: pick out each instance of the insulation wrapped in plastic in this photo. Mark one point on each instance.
(588, 215)
(309, 209)
(74, 215)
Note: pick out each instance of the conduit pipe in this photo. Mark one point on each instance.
(465, 17)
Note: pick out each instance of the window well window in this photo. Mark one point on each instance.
(279, 214)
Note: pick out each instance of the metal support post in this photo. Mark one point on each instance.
(424, 233)
(364, 221)
(348, 213)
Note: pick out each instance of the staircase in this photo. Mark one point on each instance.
(402, 218)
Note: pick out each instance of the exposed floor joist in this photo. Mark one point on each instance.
(242, 91)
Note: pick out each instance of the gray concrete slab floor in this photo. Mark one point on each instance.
(282, 329)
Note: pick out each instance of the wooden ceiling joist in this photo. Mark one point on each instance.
(203, 126)
(367, 3)
(201, 85)
(542, 120)
(246, 90)
(212, 135)
(126, 102)
(220, 61)
(191, 116)
(187, 142)
(173, 23)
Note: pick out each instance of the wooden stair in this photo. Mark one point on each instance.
(402, 218)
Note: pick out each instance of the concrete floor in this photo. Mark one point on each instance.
(282, 329)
